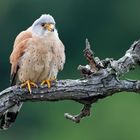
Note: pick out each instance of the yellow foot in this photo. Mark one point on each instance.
(48, 82)
(29, 84)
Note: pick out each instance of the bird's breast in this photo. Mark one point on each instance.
(38, 61)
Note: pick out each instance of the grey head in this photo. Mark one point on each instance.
(44, 25)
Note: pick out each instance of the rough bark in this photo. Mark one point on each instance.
(100, 79)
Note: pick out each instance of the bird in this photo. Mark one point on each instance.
(37, 57)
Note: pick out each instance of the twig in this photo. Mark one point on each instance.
(77, 118)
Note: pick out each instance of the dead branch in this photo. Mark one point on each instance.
(101, 79)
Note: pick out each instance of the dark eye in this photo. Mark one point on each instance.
(43, 24)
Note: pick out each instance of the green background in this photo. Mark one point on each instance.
(111, 26)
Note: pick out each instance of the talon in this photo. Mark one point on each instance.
(28, 83)
(48, 82)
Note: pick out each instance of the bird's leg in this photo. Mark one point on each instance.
(48, 82)
(29, 84)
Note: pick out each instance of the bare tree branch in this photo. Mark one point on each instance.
(101, 79)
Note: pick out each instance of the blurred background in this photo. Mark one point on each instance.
(111, 27)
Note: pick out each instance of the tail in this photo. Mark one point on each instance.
(9, 116)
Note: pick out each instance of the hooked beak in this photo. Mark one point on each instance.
(49, 27)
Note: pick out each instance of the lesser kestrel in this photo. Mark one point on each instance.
(37, 56)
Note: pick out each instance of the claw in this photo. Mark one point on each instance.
(29, 84)
(48, 82)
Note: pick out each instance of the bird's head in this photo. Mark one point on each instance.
(44, 25)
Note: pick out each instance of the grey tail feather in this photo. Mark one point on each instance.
(9, 117)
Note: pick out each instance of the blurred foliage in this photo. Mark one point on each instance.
(111, 27)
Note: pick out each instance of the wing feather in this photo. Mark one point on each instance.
(19, 47)
(61, 56)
